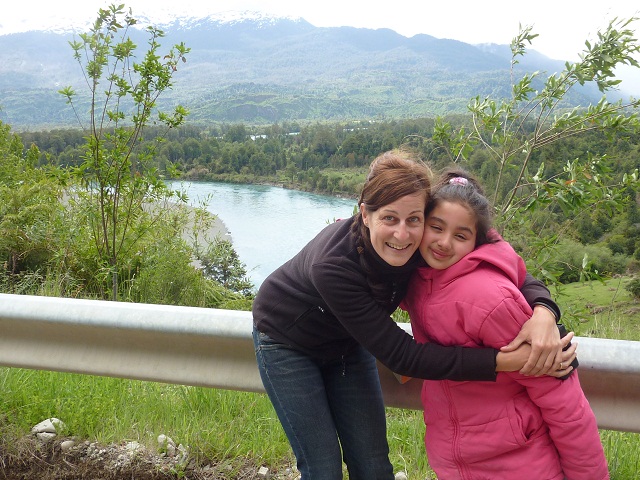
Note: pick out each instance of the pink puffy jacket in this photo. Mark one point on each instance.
(537, 428)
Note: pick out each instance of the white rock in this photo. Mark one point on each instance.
(263, 472)
(164, 441)
(133, 447)
(167, 445)
(401, 476)
(50, 425)
(45, 436)
(171, 450)
(67, 445)
(183, 452)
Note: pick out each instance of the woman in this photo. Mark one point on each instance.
(322, 318)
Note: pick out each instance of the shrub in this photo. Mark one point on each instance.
(633, 287)
(600, 261)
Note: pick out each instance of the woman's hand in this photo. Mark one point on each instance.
(546, 354)
(515, 360)
(567, 357)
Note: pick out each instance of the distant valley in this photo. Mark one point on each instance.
(282, 70)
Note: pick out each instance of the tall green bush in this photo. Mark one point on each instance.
(115, 174)
(30, 213)
(579, 262)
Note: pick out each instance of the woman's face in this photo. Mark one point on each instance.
(396, 229)
(449, 234)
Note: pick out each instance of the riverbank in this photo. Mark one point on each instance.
(279, 183)
(202, 227)
(214, 227)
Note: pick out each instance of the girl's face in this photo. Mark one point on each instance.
(396, 229)
(449, 234)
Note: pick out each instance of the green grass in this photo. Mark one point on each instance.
(231, 427)
(601, 309)
(219, 425)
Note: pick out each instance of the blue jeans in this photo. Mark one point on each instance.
(328, 409)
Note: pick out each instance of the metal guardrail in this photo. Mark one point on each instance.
(213, 348)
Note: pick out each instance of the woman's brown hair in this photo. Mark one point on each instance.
(392, 175)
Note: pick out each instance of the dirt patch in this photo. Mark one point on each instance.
(34, 460)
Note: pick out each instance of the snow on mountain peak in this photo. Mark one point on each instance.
(227, 17)
(160, 17)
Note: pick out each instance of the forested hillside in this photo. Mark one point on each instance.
(332, 158)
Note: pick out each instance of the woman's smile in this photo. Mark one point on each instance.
(396, 229)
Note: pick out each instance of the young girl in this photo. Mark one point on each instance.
(518, 427)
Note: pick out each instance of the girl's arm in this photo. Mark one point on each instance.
(572, 425)
(563, 405)
(540, 331)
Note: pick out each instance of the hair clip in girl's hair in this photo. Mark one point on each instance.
(458, 181)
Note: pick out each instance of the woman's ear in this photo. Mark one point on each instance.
(365, 215)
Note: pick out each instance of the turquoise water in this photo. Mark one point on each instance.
(268, 225)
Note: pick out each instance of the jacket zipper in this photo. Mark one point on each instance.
(455, 444)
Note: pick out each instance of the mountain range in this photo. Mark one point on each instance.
(261, 70)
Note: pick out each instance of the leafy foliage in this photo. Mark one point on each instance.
(116, 180)
(221, 263)
(634, 287)
(512, 132)
(100, 223)
(30, 213)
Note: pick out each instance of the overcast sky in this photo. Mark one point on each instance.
(563, 25)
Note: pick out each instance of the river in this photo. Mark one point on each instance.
(268, 225)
